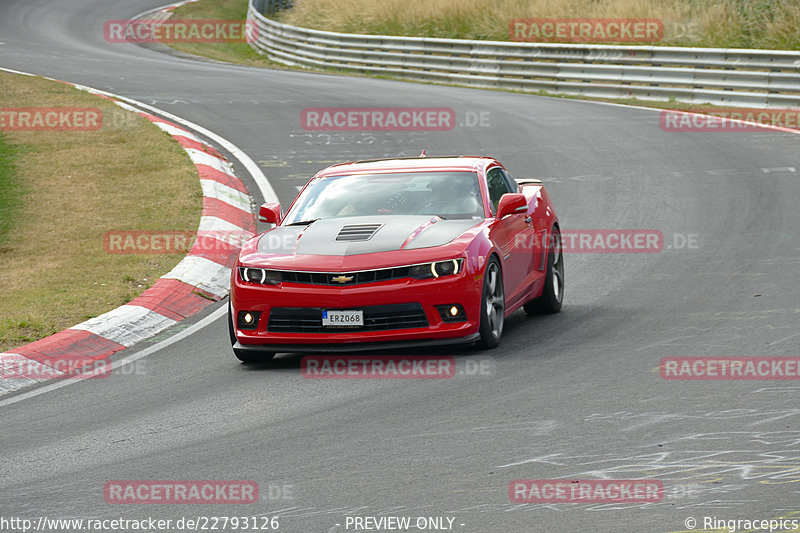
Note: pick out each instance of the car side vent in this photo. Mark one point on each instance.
(357, 232)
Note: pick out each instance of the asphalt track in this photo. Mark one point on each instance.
(576, 395)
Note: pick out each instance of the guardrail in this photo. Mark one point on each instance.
(733, 77)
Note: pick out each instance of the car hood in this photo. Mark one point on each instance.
(363, 235)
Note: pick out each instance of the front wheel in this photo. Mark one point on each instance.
(245, 356)
(553, 294)
(493, 306)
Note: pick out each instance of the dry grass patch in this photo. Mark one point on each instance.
(69, 188)
(722, 23)
(770, 24)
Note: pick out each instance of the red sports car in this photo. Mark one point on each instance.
(397, 253)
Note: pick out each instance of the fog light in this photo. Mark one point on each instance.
(452, 313)
(247, 319)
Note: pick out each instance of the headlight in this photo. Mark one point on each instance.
(437, 269)
(259, 275)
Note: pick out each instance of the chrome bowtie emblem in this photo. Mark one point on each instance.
(342, 279)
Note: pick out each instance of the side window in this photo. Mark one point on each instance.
(512, 183)
(497, 186)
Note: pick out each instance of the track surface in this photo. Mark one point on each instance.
(574, 395)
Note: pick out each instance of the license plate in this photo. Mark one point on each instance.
(343, 318)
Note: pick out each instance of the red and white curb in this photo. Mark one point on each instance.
(200, 279)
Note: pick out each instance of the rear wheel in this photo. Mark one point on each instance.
(493, 306)
(553, 294)
(245, 356)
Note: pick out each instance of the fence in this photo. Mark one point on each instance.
(734, 77)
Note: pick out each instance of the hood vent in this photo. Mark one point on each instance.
(357, 232)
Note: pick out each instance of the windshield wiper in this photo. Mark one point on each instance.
(303, 222)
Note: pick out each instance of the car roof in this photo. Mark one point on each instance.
(433, 163)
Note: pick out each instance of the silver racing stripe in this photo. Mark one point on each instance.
(319, 238)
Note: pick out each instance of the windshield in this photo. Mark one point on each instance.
(450, 195)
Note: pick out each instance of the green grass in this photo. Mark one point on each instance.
(12, 189)
(61, 191)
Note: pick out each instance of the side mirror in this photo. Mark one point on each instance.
(511, 203)
(270, 213)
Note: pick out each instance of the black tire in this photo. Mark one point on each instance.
(553, 294)
(493, 305)
(245, 356)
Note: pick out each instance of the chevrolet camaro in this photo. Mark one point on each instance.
(397, 253)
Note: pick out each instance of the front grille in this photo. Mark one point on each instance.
(327, 278)
(376, 318)
(357, 232)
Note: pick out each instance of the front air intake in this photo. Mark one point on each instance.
(357, 232)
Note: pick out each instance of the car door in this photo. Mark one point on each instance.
(505, 233)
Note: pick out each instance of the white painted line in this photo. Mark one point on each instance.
(123, 361)
(783, 339)
(18, 72)
(127, 325)
(202, 273)
(659, 110)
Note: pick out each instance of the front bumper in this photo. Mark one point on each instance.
(463, 289)
(348, 347)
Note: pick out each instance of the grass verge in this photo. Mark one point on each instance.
(65, 190)
(11, 189)
(768, 24)
(241, 53)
